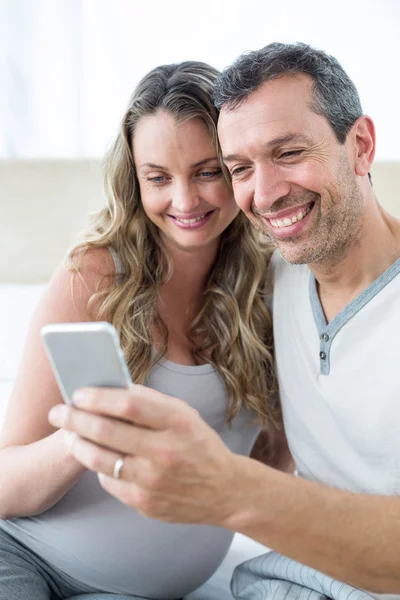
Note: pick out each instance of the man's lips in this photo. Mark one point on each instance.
(291, 225)
(288, 212)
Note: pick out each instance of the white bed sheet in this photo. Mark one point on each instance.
(5, 391)
(218, 586)
(17, 303)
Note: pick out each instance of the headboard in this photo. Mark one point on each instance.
(45, 203)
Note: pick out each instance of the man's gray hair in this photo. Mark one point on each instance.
(334, 94)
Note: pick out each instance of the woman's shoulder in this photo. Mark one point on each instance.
(93, 262)
(85, 272)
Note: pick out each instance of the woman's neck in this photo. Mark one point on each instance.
(182, 298)
(191, 269)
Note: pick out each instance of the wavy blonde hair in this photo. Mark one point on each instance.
(233, 329)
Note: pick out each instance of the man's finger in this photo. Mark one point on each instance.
(124, 491)
(94, 457)
(141, 405)
(111, 433)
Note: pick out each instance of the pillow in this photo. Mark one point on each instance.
(17, 303)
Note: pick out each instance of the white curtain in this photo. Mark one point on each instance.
(40, 78)
(68, 67)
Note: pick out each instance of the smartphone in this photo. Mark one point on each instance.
(85, 355)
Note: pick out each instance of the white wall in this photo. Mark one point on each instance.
(69, 66)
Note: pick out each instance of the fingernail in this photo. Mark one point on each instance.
(104, 479)
(58, 414)
(79, 397)
(70, 436)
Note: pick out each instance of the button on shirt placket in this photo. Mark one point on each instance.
(324, 353)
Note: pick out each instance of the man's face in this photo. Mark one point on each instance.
(291, 177)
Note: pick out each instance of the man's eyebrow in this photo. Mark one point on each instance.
(197, 164)
(289, 137)
(278, 141)
(231, 157)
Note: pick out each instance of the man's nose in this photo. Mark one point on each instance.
(270, 185)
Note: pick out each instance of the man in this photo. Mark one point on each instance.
(299, 151)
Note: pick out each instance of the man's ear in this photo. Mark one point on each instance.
(364, 143)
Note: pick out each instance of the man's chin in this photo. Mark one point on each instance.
(294, 254)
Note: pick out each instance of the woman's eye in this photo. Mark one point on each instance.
(209, 174)
(157, 179)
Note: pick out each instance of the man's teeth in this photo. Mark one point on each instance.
(188, 221)
(286, 222)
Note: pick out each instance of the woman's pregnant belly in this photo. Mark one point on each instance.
(99, 541)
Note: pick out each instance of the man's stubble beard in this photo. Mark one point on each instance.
(332, 234)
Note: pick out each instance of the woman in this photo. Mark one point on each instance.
(174, 266)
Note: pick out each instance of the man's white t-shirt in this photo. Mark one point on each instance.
(340, 382)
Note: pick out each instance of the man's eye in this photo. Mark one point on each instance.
(291, 153)
(237, 171)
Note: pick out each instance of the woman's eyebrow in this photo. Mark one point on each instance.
(197, 164)
(152, 166)
(204, 161)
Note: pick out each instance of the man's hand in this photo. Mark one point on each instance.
(175, 468)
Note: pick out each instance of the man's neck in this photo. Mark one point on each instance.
(371, 255)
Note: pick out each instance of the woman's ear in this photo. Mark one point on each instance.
(364, 141)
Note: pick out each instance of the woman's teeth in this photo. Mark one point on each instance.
(188, 221)
(286, 222)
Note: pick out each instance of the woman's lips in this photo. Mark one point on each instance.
(191, 223)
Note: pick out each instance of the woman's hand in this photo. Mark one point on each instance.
(175, 467)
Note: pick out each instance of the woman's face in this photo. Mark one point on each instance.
(182, 187)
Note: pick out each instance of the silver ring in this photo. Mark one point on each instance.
(119, 463)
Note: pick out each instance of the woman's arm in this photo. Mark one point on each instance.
(271, 448)
(35, 464)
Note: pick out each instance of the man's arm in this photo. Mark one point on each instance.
(176, 468)
(354, 538)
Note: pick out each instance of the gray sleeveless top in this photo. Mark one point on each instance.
(99, 541)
